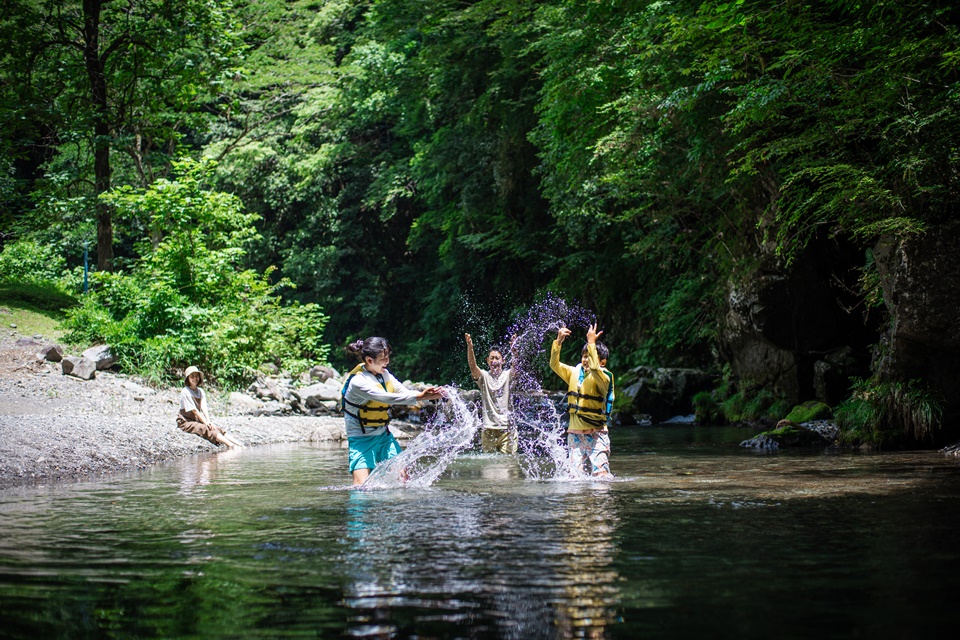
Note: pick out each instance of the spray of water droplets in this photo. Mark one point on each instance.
(450, 430)
(540, 422)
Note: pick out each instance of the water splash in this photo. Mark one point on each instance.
(539, 420)
(450, 430)
(541, 425)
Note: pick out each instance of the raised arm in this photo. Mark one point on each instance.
(558, 367)
(471, 357)
(593, 361)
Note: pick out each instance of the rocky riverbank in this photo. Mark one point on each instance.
(57, 427)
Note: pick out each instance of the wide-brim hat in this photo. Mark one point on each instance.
(191, 369)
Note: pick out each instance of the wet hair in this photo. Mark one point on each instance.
(497, 348)
(602, 352)
(370, 348)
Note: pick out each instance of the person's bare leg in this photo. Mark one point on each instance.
(222, 439)
(233, 441)
(360, 476)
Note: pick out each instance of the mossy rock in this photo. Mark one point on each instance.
(791, 434)
(784, 428)
(808, 411)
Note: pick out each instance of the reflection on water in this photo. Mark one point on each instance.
(696, 537)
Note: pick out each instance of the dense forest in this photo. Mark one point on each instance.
(762, 190)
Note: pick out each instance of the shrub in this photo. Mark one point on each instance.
(707, 408)
(779, 409)
(758, 404)
(881, 413)
(30, 262)
(733, 407)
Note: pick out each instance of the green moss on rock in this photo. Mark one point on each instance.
(808, 411)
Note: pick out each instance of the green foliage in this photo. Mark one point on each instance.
(28, 261)
(78, 123)
(733, 406)
(403, 157)
(758, 404)
(778, 410)
(187, 300)
(729, 405)
(706, 408)
(810, 410)
(885, 413)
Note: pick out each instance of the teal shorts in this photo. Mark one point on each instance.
(366, 452)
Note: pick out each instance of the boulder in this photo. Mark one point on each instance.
(269, 368)
(82, 368)
(323, 373)
(316, 394)
(138, 389)
(267, 389)
(329, 433)
(272, 407)
(792, 434)
(101, 356)
(68, 363)
(761, 441)
(243, 402)
(660, 393)
(51, 353)
(327, 407)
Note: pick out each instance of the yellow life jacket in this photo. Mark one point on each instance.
(593, 410)
(371, 414)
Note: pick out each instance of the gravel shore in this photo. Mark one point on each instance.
(55, 427)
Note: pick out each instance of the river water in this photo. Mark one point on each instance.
(696, 538)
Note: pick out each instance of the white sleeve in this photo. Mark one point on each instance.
(365, 387)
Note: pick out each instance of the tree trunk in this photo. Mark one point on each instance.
(101, 132)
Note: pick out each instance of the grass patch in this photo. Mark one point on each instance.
(881, 413)
(34, 309)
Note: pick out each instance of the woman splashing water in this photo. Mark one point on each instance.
(368, 393)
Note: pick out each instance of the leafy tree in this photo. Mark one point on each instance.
(100, 76)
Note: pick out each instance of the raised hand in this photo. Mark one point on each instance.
(593, 334)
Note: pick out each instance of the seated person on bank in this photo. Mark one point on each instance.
(194, 416)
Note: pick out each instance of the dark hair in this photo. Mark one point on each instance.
(370, 348)
(602, 352)
(495, 347)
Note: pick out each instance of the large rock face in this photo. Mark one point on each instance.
(792, 330)
(920, 277)
(661, 393)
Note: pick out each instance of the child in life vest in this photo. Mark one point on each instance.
(368, 393)
(499, 434)
(194, 416)
(589, 402)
